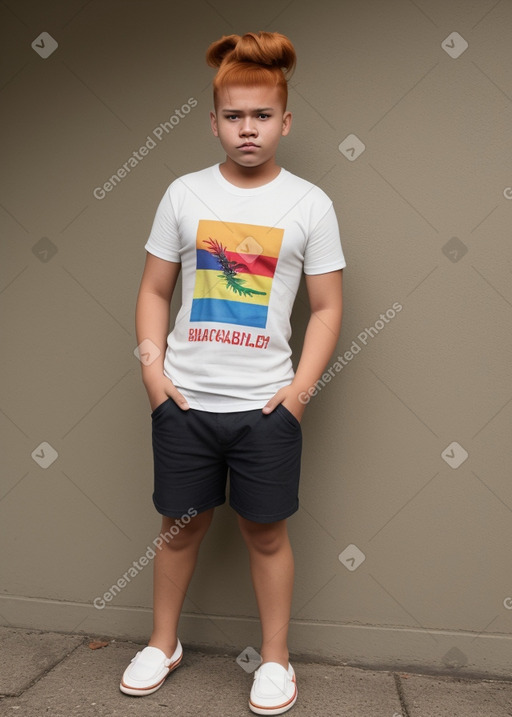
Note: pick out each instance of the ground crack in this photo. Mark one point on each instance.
(401, 696)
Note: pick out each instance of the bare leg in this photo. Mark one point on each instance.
(272, 571)
(173, 569)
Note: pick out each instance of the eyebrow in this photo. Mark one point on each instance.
(262, 109)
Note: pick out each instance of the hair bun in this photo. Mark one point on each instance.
(263, 48)
(219, 49)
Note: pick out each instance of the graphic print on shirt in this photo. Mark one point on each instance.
(235, 269)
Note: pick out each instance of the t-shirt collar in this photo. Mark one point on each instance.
(247, 191)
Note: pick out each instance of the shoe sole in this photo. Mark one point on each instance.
(143, 691)
(273, 710)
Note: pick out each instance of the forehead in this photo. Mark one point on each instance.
(248, 98)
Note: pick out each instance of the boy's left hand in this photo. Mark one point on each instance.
(289, 397)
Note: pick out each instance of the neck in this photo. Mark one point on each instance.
(247, 177)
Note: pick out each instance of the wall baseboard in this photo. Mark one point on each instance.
(437, 652)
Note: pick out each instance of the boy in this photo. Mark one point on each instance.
(223, 392)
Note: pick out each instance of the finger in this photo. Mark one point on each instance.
(179, 399)
(270, 405)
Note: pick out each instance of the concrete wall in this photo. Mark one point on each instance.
(407, 447)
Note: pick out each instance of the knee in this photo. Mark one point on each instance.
(178, 534)
(265, 538)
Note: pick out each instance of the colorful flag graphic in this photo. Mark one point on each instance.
(234, 272)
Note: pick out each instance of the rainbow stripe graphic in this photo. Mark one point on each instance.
(234, 272)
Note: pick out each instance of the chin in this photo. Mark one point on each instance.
(248, 163)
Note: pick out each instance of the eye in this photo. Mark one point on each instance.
(262, 115)
(231, 117)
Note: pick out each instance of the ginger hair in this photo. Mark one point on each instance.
(263, 58)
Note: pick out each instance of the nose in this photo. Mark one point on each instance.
(248, 128)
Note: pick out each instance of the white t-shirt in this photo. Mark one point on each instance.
(242, 253)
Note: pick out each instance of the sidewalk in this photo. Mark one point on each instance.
(45, 673)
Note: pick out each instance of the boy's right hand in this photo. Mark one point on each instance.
(159, 393)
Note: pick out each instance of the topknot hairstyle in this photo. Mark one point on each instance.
(263, 58)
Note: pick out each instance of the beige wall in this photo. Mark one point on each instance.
(434, 590)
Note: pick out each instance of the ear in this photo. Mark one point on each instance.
(213, 123)
(287, 123)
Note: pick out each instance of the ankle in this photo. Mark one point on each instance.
(168, 646)
(282, 657)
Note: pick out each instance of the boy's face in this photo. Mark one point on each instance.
(250, 121)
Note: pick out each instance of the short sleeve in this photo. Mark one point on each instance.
(164, 239)
(323, 251)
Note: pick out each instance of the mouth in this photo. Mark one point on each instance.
(248, 145)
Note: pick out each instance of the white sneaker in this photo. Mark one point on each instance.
(274, 689)
(148, 670)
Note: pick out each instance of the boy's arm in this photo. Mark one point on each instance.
(152, 322)
(322, 332)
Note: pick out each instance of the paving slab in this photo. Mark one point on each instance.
(25, 655)
(87, 684)
(59, 675)
(441, 696)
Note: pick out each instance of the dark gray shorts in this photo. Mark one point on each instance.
(193, 451)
